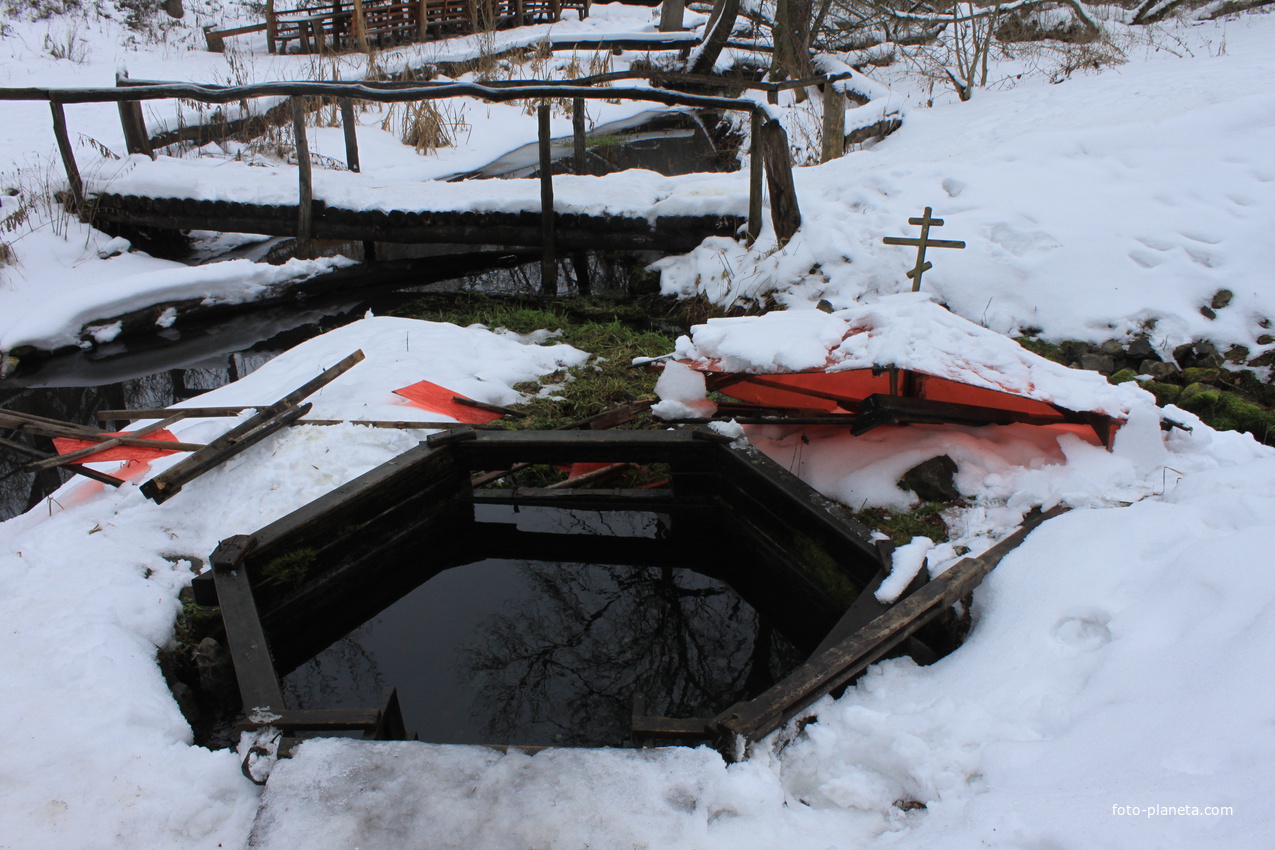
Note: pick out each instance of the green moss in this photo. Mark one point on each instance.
(1164, 393)
(902, 526)
(1200, 375)
(825, 570)
(1123, 376)
(290, 569)
(1230, 412)
(194, 623)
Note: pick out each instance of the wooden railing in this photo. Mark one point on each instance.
(769, 141)
(360, 23)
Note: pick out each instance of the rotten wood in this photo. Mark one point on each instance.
(490, 408)
(836, 667)
(785, 214)
(256, 428)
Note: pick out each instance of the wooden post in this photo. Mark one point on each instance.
(422, 24)
(68, 155)
(834, 123)
(136, 138)
(784, 212)
(305, 193)
(548, 260)
(584, 11)
(272, 26)
(755, 169)
(577, 131)
(520, 13)
(671, 15)
(360, 27)
(555, 6)
(351, 139)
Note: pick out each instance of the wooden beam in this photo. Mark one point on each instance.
(548, 260)
(268, 420)
(348, 126)
(671, 15)
(305, 189)
(835, 668)
(93, 474)
(254, 669)
(578, 133)
(756, 169)
(136, 137)
(834, 123)
(133, 439)
(68, 156)
(785, 213)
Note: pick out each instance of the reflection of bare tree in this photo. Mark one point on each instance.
(344, 675)
(565, 663)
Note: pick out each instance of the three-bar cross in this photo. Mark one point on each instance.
(926, 221)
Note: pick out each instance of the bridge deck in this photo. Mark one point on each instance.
(628, 210)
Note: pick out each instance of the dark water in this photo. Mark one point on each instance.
(544, 653)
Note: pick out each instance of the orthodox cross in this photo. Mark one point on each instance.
(926, 221)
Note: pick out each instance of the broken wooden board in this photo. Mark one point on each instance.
(836, 667)
(253, 430)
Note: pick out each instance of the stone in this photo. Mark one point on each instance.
(1237, 354)
(933, 480)
(1157, 369)
(1221, 298)
(1103, 363)
(1208, 313)
(1111, 348)
(1141, 348)
(1123, 376)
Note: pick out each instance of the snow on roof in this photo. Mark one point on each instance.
(907, 331)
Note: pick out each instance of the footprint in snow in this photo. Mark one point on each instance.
(1085, 634)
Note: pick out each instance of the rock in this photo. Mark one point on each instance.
(1197, 389)
(932, 480)
(1164, 393)
(1103, 363)
(1111, 348)
(1208, 313)
(1265, 339)
(1264, 359)
(216, 672)
(1157, 369)
(1141, 349)
(1237, 354)
(1221, 298)
(1204, 349)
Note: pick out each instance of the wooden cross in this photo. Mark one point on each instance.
(925, 221)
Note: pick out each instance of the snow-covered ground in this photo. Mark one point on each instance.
(1117, 683)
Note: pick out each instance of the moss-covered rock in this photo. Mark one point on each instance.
(1164, 393)
(1123, 376)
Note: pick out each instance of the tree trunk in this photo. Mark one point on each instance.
(792, 42)
(724, 15)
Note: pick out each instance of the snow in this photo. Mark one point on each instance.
(1119, 658)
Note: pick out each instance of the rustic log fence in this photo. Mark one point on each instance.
(769, 140)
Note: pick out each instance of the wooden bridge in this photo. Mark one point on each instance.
(316, 27)
(350, 204)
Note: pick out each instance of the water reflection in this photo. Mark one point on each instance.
(549, 652)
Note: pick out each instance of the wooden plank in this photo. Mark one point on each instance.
(500, 449)
(169, 483)
(590, 498)
(878, 409)
(268, 420)
(578, 134)
(258, 685)
(836, 667)
(549, 258)
(161, 412)
(316, 720)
